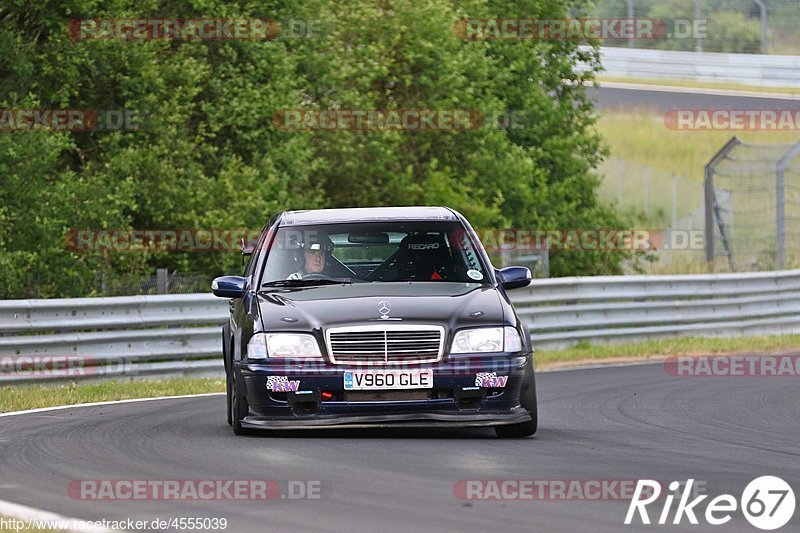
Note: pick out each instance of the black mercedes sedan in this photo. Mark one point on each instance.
(375, 317)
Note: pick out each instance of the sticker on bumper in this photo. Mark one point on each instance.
(490, 380)
(282, 384)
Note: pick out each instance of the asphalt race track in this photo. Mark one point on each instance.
(662, 99)
(613, 423)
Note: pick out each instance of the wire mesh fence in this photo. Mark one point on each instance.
(755, 206)
(665, 204)
(661, 199)
(163, 282)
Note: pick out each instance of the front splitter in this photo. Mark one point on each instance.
(412, 420)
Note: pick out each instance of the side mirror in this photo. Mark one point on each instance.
(514, 277)
(228, 286)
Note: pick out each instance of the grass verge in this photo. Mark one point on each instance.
(641, 136)
(20, 397)
(586, 353)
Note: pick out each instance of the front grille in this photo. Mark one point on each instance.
(385, 344)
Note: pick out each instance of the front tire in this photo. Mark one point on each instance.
(229, 398)
(528, 401)
(239, 408)
(226, 359)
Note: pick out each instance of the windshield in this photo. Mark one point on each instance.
(430, 251)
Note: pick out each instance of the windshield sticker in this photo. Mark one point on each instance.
(474, 274)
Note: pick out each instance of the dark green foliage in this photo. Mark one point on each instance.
(209, 156)
(727, 25)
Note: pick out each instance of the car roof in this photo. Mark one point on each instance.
(367, 214)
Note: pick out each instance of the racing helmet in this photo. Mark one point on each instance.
(317, 241)
(314, 241)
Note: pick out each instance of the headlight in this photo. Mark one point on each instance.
(511, 340)
(299, 345)
(484, 340)
(257, 347)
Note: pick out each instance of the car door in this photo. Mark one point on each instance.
(244, 311)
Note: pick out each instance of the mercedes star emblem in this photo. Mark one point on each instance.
(383, 309)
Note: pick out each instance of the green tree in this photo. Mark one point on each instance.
(733, 32)
(204, 157)
(209, 156)
(406, 55)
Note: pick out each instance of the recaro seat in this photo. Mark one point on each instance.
(420, 256)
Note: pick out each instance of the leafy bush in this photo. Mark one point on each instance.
(209, 156)
(729, 31)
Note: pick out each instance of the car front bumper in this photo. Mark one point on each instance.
(460, 396)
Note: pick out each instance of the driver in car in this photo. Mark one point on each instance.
(314, 257)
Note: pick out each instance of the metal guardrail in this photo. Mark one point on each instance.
(750, 69)
(178, 334)
(563, 311)
(79, 338)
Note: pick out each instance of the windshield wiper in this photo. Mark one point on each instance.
(307, 282)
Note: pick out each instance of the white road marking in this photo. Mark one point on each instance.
(587, 366)
(110, 402)
(23, 512)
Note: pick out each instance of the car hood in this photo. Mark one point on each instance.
(450, 305)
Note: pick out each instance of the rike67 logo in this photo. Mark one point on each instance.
(767, 502)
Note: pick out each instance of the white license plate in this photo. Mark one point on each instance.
(388, 379)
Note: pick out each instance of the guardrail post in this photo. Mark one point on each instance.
(546, 259)
(162, 281)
